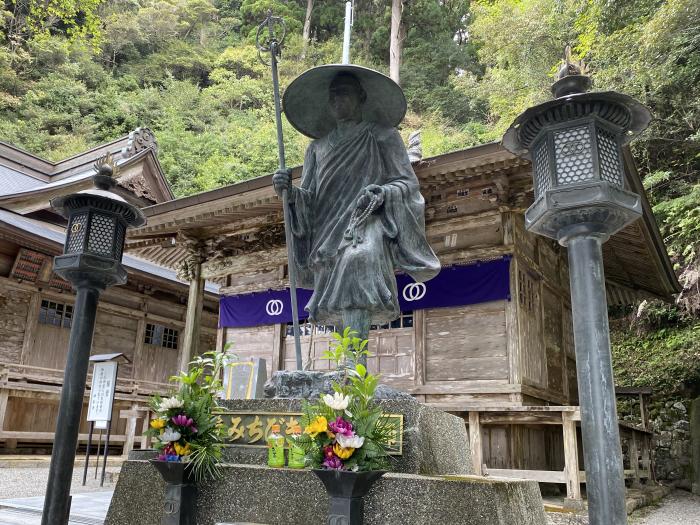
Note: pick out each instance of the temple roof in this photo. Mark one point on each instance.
(246, 218)
(28, 182)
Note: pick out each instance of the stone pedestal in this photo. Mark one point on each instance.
(431, 482)
(261, 495)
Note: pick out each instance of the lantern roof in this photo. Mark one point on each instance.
(573, 101)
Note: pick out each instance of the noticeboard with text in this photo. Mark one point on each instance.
(104, 379)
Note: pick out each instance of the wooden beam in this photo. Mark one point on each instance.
(475, 443)
(542, 476)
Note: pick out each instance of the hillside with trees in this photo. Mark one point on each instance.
(76, 73)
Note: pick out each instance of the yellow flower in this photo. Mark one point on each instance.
(183, 450)
(342, 453)
(158, 423)
(320, 424)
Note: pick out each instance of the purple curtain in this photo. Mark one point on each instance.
(454, 286)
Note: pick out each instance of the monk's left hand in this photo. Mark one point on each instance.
(370, 191)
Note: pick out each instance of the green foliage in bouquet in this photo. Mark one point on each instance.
(185, 427)
(347, 430)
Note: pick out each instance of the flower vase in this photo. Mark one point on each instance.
(180, 505)
(347, 491)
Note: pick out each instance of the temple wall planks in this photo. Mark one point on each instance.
(450, 357)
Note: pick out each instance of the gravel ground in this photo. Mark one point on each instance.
(26, 482)
(678, 508)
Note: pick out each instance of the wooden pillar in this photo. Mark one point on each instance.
(4, 399)
(30, 326)
(634, 458)
(419, 345)
(131, 417)
(278, 347)
(644, 411)
(571, 469)
(195, 301)
(145, 440)
(475, 443)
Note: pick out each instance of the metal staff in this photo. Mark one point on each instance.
(273, 45)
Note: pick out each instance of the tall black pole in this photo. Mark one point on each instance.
(273, 46)
(602, 453)
(56, 503)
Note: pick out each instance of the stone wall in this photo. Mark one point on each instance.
(671, 447)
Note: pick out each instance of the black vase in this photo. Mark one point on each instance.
(180, 505)
(347, 491)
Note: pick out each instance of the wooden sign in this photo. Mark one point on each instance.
(250, 429)
(244, 379)
(104, 380)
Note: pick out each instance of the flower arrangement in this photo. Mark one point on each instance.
(185, 427)
(346, 430)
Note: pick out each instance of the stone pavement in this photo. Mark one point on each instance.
(86, 509)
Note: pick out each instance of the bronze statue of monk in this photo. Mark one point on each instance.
(358, 215)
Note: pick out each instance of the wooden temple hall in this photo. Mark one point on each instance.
(498, 350)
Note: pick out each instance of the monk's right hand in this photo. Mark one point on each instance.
(282, 181)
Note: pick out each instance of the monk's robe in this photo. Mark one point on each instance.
(358, 273)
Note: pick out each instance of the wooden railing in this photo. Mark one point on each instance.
(32, 381)
(637, 457)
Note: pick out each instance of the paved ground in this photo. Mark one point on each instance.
(22, 489)
(679, 508)
(22, 496)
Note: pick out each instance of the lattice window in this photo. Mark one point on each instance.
(56, 314)
(101, 240)
(527, 291)
(463, 192)
(610, 166)
(159, 335)
(572, 151)
(405, 320)
(452, 209)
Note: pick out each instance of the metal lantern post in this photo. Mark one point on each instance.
(91, 261)
(575, 144)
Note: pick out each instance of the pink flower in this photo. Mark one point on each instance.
(340, 426)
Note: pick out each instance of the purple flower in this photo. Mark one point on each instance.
(168, 457)
(182, 420)
(340, 426)
(333, 463)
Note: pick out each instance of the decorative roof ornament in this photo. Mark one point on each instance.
(572, 77)
(139, 140)
(105, 172)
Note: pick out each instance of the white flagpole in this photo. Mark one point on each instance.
(346, 34)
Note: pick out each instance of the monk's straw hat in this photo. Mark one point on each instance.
(305, 100)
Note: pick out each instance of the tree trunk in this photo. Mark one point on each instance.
(398, 34)
(307, 26)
